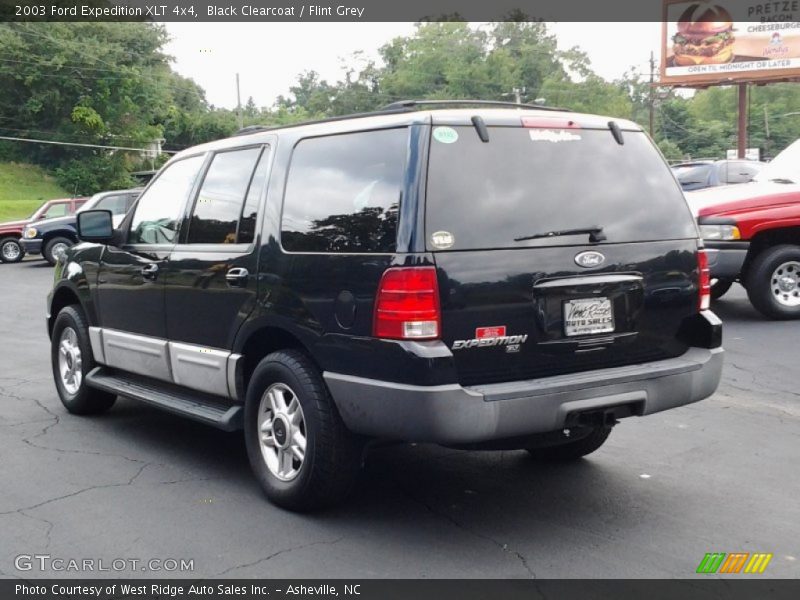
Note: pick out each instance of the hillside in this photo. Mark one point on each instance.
(23, 188)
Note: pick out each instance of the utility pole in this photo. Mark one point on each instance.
(766, 129)
(652, 91)
(239, 104)
(742, 137)
(518, 95)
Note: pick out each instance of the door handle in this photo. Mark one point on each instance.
(237, 277)
(150, 271)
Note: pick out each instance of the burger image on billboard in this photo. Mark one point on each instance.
(705, 36)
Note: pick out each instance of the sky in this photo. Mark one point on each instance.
(269, 56)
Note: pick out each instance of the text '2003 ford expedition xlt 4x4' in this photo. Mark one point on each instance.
(493, 278)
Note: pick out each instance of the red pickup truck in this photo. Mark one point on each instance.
(10, 248)
(752, 235)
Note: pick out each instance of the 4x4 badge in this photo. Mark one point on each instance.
(589, 259)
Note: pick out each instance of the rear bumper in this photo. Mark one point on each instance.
(452, 414)
(31, 246)
(725, 259)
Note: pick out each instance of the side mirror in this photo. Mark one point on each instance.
(95, 226)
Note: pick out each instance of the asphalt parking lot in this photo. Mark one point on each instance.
(722, 475)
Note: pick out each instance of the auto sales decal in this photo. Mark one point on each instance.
(492, 336)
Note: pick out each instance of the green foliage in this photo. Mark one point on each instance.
(23, 188)
(111, 84)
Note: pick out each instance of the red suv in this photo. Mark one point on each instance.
(752, 235)
(10, 248)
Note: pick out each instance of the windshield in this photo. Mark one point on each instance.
(784, 167)
(549, 184)
(690, 174)
(90, 203)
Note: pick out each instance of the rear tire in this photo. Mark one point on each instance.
(71, 358)
(572, 450)
(11, 251)
(773, 282)
(55, 247)
(720, 288)
(299, 449)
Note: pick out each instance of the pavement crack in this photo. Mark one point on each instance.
(278, 553)
(77, 493)
(453, 521)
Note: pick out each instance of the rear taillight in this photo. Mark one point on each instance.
(704, 285)
(407, 304)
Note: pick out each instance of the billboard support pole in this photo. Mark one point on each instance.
(742, 137)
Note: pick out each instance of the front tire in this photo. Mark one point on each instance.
(773, 282)
(11, 251)
(572, 450)
(55, 248)
(71, 358)
(299, 449)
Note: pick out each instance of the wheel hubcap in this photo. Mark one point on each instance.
(10, 251)
(58, 251)
(282, 431)
(70, 365)
(785, 284)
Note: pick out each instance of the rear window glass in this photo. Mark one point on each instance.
(343, 193)
(529, 182)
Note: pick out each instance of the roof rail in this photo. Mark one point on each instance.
(258, 128)
(251, 129)
(411, 104)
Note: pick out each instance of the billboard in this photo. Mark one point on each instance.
(712, 42)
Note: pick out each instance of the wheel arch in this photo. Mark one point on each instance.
(766, 239)
(258, 343)
(64, 295)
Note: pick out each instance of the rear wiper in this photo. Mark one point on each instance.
(781, 180)
(595, 234)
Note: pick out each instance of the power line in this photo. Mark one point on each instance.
(19, 139)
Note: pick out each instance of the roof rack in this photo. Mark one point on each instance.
(394, 108)
(259, 128)
(411, 104)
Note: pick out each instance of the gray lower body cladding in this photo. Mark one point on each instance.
(452, 414)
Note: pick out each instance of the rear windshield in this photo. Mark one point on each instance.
(692, 174)
(531, 182)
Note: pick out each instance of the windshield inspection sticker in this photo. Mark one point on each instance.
(442, 240)
(553, 135)
(445, 135)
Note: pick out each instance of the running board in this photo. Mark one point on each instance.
(180, 401)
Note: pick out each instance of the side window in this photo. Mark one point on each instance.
(160, 208)
(215, 218)
(115, 203)
(343, 192)
(739, 172)
(57, 210)
(247, 225)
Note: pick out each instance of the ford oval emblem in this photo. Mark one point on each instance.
(589, 259)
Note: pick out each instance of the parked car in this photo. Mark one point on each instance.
(710, 173)
(11, 250)
(752, 235)
(438, 275)
(52, 237)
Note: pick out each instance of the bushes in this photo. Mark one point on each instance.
(98, 173)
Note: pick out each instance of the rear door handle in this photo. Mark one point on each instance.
(237, 277)
(150, 271)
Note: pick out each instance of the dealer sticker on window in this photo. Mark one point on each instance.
(585, 316)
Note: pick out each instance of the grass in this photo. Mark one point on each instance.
(23, 188)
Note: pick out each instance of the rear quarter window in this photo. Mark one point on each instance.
(343, 192)
(525, 182)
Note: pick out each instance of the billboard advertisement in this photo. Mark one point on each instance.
(708, 42)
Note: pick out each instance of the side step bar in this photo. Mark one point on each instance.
(194, 405)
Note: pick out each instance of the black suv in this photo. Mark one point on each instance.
(493, 278)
